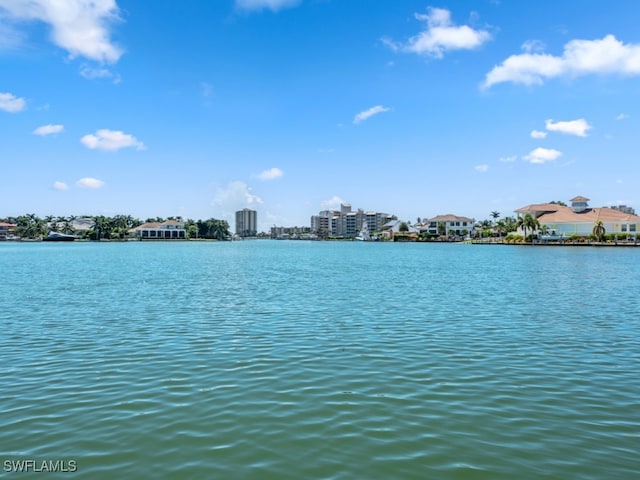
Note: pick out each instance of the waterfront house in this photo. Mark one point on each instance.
(391, 230)
(579, 218)
(6, 230)
(449, 225)
(167, 230)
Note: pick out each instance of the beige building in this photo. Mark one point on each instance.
(346, 222)
(579, 218)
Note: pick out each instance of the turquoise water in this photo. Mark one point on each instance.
(296, 360)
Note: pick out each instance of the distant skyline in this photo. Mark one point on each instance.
(288, 107)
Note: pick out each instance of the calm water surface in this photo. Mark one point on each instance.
(296, 360)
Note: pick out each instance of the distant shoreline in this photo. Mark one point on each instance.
(347, 240)
(558, 244)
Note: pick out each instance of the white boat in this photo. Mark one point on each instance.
(553, 236)
(59, 237)
(364, 236)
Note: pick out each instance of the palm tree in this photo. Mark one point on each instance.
(528, 222)
(534, 224)
(509, 224)
(102, 227)
(599, 230)
(520, 223)
(67, 227)
(221, 229)
(121, 224)
(191, 228)
(495, 215)
(213, 228)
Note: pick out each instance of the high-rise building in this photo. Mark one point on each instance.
(246, 223)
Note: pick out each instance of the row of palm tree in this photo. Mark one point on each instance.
(527, 223)
(211, 228)
(497, 227)
(28, 226)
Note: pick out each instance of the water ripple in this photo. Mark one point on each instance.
(321, 360)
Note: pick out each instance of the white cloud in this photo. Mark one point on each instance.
(60, 186)
(511, 158)
(48, 130)
(10, 103)
(538, 134)
(333, 203)
(273, 5)
(89, 182)
(440, 35)
(526, 68)
(235, 196)
(481, 168)
(542, 155)
(369, 113)
(91, 73)
(81, 27)
(573, 127)
(622, 116)
(271, 174)
(533, 46)
(580, 57)
(111, 140)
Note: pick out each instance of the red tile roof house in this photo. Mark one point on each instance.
(579, 218)
(6, 230)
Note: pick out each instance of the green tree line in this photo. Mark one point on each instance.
(30, 226)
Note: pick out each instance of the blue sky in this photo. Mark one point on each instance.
(416, 108)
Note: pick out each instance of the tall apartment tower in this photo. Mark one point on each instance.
(246, 223)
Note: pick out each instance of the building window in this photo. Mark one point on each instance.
(624, 227)
(632, 227)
